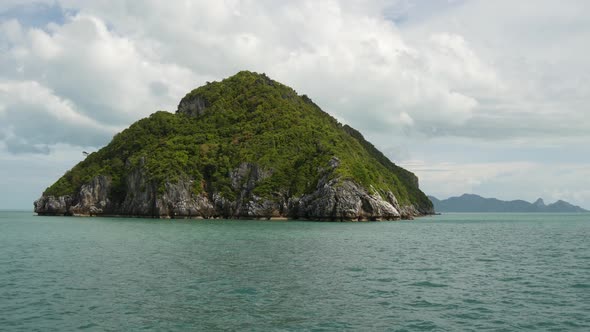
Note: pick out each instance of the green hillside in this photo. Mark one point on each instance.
(245, 118)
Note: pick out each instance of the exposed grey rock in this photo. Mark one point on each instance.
(180, 201)
(244, 180)
(334, 162)
(93, 197)
(194, 106)
(140, 199)
(393, 200)
(247, 175)
(344, 201)
(51, 205)
(333, 199)
(258, 207)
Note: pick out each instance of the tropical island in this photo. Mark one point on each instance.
(245, 147)
(476, 203)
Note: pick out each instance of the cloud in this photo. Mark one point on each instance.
(79, 83)
(346, 55)
(32, 117)
(104, 74)
(19, 146)
(406, 73)
(25, 176)
(447, 178)
(537, 54)
(116, 62)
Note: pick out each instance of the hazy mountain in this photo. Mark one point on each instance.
(475, 203)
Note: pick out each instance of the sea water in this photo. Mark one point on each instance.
(455, 272)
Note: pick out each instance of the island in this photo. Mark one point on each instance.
(476, 203)
(244, 147)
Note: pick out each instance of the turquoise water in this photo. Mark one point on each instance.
(455, 272)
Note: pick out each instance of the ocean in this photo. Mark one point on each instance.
(453, 272)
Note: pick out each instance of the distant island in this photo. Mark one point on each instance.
(475, 203)
(245, 147)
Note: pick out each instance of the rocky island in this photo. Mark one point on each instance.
(245, 147)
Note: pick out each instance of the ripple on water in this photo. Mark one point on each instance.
(491, 260)
(509, 279)
(446, 273)
(472, 301)
(426, 304)
(427, 284)
(355, 269)
(88, 326)
(579, 285)
(245, 291)
(420, 325)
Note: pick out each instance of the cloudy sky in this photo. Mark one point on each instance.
(476, 96)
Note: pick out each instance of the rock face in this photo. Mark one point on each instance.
(226, 154)
(194, 106)
(50, 205)
(331, 201)
(346, 201)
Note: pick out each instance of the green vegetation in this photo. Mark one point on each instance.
(249, 118)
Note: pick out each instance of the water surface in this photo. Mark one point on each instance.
(528, 272)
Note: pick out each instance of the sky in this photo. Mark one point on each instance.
(474, 96)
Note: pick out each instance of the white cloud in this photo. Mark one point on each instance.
(452, 59)
(82, 75)
(462, 74)
(32, 116)
(489, 71)
(43, 46)
(537, 51)
(345, 55)
(11, 30)
(117, 62)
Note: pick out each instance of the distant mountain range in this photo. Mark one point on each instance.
(475, 203)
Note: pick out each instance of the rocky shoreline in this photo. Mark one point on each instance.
(333, 200)
(347, 202)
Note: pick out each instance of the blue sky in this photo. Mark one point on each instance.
(476, 96)
(32, 14)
